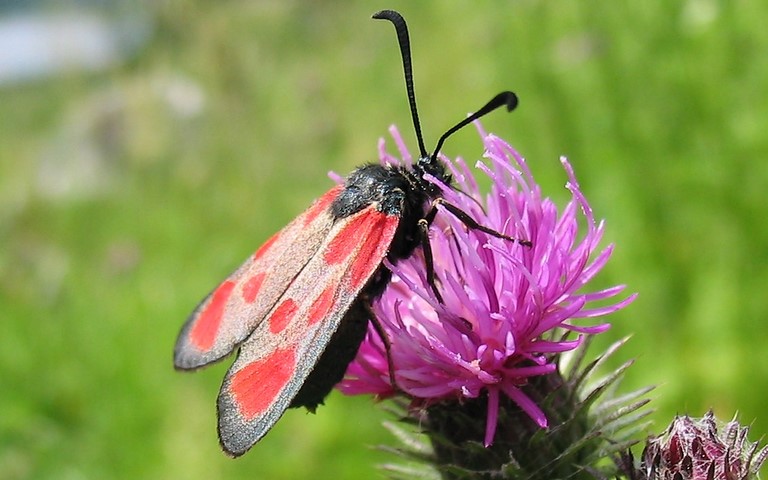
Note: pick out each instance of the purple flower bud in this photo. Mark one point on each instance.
(695, 449)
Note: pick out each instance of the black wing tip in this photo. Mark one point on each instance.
(232, 443)
(231, 453)
(181, 361)
(186, 361)
(184, 365)
(235, 438)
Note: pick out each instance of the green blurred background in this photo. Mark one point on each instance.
(129, 188)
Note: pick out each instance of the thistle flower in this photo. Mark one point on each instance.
(505, 305)
(695, 449)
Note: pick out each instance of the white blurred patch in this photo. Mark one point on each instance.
(122, 127)
(698, 15)
(39, 44)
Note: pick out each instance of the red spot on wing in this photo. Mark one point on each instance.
(203, 333)
(265, 246)
(256, 386)
(321, 306)
(351, 235)
(372, 252)
(322, 204)
(369, 234)
(282, 315)
(252, 286)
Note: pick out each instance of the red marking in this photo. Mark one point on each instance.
(370, 232)
(252, 286)
(263, 249)
(371, 253)
(322, 306)
(203, 333)
(351, 235)
(321, 204)
(282, 315)
(255, 386)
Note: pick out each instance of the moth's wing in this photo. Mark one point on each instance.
(230, 313)
(281, 352)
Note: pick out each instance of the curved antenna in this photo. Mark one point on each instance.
(504, 98)
(405, 50)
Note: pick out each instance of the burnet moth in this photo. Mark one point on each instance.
(298, 309)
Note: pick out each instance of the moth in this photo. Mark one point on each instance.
(298, 309)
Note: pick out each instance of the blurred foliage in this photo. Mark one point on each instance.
(125, 195)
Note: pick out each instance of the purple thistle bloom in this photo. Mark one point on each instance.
(502, 301)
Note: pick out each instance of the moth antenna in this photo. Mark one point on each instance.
(405, 50)
(504, 98)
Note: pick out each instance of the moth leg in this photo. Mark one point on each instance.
(464, 217)
(427, 248)
(385, 340)
(469, 221)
